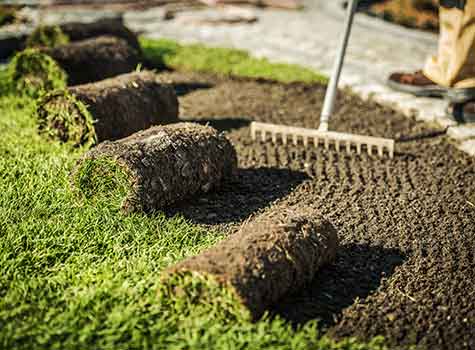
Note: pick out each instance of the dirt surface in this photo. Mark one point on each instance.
(267, 258)
(405, 267)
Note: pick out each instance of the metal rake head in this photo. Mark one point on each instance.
(329, 139)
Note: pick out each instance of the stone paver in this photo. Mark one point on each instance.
(310, 38)
(462, 132)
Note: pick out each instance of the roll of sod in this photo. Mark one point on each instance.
(110, 26)
(251, 270)
(52, 36)
(94, 59)
(109, 109)
(32, 73)
(155, 167)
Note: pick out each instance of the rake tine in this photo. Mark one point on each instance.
(371, 145)
(284, 139)
(294, 139)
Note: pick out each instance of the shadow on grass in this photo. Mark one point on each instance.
(356, 273)
(250, 191)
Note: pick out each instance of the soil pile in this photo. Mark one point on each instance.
(406, 265)
(107, 110)
(156, 167)
(266, 259)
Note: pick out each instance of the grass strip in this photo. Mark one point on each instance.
(196, 57)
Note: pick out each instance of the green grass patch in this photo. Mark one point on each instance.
(49, 36)
(32, 73)
(80, 275)
(103, 180)
(190, 292)
(61, 116)
(223, 61)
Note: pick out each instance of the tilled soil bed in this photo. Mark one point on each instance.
(406, 265)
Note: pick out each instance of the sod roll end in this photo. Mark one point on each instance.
(251, 270)
(32, 72)
(156, 167)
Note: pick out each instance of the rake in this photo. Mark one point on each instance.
(321, 136)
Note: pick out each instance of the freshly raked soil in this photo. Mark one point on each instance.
(406, 264)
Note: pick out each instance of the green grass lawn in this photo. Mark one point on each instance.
(74, 275)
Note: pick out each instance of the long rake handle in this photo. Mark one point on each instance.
(330, 96)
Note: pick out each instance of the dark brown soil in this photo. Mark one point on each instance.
(406, 265)
(94, 59)
(165, 164)
(268, 257)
